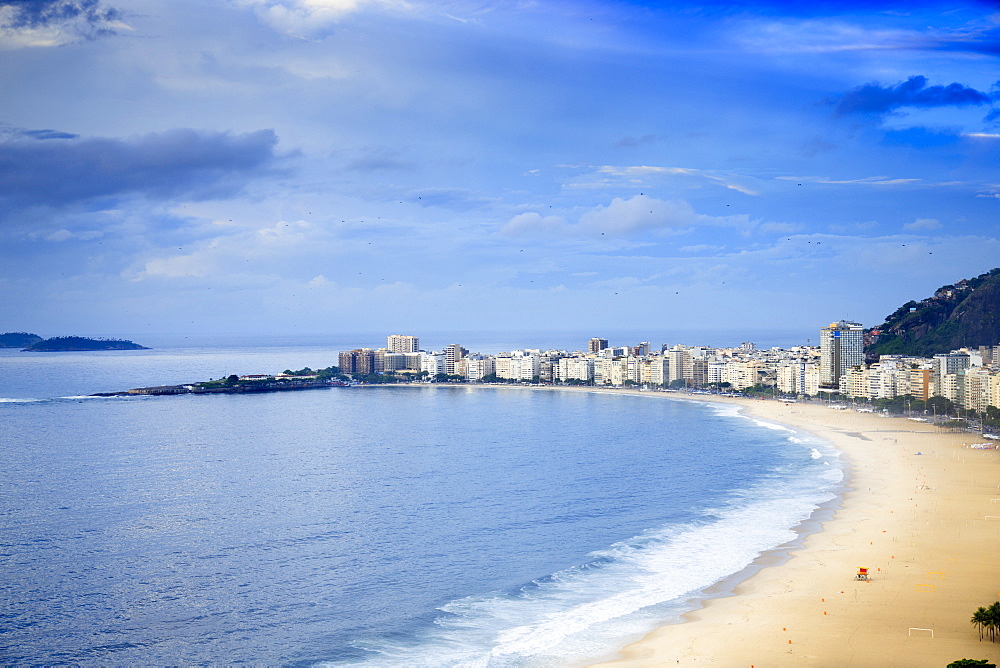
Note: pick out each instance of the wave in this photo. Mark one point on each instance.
(621, 592)
(14, 400)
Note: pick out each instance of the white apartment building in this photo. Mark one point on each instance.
(743, 374)
(478, 368)
(798, 378)
(655, 371)
(399, 343)
(574, 368)
(432, 363)
(681, 366)
(518, 366)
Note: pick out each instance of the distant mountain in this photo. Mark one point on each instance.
(966, 314)
(18, 339)
(79, 343)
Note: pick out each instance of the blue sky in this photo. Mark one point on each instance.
(362, 165)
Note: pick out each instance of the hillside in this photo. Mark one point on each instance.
(966, 314)
(18, 339)
(79, 343)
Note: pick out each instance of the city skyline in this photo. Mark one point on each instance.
(362, 165)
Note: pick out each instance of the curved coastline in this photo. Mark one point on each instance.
(769, 557)
(913, 510)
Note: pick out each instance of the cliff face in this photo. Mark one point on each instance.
(966, 314)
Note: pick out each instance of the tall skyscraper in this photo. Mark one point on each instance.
(597, 345)
(841, 347)
(398, 343)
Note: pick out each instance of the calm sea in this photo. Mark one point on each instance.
(411, 526)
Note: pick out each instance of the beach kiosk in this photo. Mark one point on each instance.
(862, 574)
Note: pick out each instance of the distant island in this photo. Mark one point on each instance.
(80, 343)
(18, 339)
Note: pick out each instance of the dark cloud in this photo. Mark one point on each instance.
(196, 165)
(49, 134)
(90, 17)
(875, 100)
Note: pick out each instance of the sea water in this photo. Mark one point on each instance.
(408, 526)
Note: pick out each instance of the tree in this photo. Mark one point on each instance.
(971, 663)
(980, 618)
(988, 621)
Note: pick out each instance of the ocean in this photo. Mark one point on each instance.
(371, 526)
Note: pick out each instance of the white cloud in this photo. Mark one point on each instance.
(642, 170)
(178, 266)
(641, 212)
(865, 181)
(304, 18)
(625, 217)
(923, 224)
(534, 223)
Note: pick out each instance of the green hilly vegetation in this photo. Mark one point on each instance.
(965, 314)
(18, 339)
(80, 343)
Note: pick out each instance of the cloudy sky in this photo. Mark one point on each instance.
(363, 165)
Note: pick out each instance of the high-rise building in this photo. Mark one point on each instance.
(398, 343)
(452, 354)
(597, 345)
(841, 347)
(361, 360)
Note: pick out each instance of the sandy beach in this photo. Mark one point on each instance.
(922, 513)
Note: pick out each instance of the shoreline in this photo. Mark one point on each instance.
(928, 544)
(916, 508)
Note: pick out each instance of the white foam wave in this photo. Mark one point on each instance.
(625, 590)
(770, 425)
(12, 400)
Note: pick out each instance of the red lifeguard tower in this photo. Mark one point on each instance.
(862, 574)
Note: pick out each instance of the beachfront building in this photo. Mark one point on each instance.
(795, 377)
(478, 367)
(841, 346)
(681, 364)
(433, 363)
(978, 389)
(655, 371)
(359, 360)
(741, 374)
(400, 343)
(518, 365)
(574, 368)
(452, 354)
(393, 362)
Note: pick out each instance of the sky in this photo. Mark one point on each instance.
(319, 166)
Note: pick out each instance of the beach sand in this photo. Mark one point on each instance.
(922, 512)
